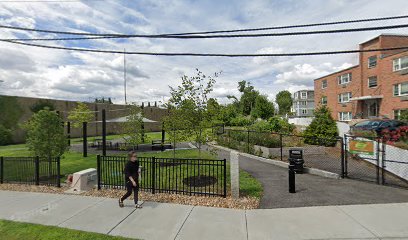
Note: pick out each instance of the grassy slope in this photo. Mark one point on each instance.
(25, 231)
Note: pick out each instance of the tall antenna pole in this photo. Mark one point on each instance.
(124, 71)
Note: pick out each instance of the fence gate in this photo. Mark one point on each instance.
(372, 159)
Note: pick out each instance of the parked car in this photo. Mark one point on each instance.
(377, 126)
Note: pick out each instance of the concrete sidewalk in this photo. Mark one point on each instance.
(174, 221)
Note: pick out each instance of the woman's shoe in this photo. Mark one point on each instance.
(138, 206)
(121, 203)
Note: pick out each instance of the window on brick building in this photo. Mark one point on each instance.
(324, 84)
(401, 89)
(344, 97)
(324, 100)
(345, 78)
(372, 82)
(372, 61)
(400, 63)
(345, 116)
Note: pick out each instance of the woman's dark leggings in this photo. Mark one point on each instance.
(130, 188)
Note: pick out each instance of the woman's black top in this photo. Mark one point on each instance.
(132, 169)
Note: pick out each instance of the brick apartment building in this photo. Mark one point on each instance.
(375, 88)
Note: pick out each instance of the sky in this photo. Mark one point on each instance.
(79, 76)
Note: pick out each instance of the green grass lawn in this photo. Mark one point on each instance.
(148, 138)
(26, 231)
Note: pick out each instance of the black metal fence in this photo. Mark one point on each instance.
(30, 170)
(321, 153)
(378, 162)
(205, 177)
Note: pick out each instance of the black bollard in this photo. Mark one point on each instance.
(292, 179)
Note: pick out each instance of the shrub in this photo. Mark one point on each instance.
(241, 121)
(398, 137)
(322, 130)
(5, 135)
(274, 124)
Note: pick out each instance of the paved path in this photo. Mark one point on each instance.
(314, 190)
(173, 221)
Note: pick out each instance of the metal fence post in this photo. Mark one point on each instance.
(225, 178)
(84, 139)
(1, 170)
(281, 146)
(103, 132)
(378, 161)
(98, 170)
(69, 133)
(37, 170)
(382, 160)
(58, 172)
(153, 175)
(345, 156)
(248, 142)
(342, 157)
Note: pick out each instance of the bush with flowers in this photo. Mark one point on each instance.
(397, 137)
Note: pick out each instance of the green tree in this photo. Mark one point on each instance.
(191, 98)
(284, 101)
(45, 134)
(227, 113)
(263, 108)
(175, 127)
(10, 112)
(248, 97)
(42, 104)
(323, 129)
(133, 129)
(80, 114)
(404, 115)
(5, 135)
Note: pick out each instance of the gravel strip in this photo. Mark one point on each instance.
(229, 202)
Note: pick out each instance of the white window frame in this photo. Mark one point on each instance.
(345, 116)
(303, 111)
(341, 97)
(324, 86)
(344, 79)
(301, 95)
(399, 89)
(375, 63)
(396, 64)
(296, 95)
(376, 81)
(321, 101)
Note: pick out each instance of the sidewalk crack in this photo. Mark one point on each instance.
(182, 225)
(355, 220)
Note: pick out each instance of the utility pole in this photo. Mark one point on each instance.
(124, 71)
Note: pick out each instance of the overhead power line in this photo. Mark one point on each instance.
(218, 36)
(206, 32)
(212, 54)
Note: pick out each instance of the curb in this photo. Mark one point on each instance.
(312, 171)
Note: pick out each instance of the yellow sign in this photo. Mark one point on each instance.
(361, 147)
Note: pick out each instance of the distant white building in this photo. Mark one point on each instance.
(303, 103)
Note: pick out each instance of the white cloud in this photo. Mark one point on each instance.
(42, 72)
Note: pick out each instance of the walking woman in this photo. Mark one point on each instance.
(132, 179)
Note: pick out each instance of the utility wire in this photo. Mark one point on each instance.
(206, 32)
(218, 36)
(211, 54)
